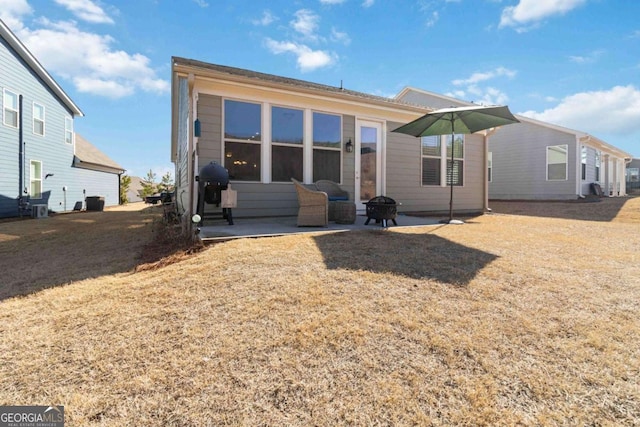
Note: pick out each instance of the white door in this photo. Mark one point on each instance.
(368, 183)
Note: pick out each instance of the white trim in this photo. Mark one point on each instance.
(67, 130)
(33, 118)
(380, 180)
(17, 110)
(566, 162)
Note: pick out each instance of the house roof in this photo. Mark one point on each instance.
(37, 68)
(87, 156)
(263, 78)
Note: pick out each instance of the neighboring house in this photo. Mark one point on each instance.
(38, 153)
(633, 176)
(266, 129)
(535, 160)
(97, 174)
(135, 189)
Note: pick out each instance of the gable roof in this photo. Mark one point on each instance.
(233, 73)
(37, 68)
(87, 156)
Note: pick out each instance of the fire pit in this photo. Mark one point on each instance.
(381, 209)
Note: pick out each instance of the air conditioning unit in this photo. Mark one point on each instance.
(39, 211)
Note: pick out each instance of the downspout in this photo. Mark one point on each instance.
(119, 188)
(21, 158)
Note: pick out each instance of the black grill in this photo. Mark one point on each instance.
(382, 209)
(213, 178)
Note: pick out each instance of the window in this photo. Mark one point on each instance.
(38, 119)
(68, 130)
(10, 108)
(436, 160)
(286, 149)
(36, 179)
(327, 146)
(490, 166)
(431, 160)
(557, 162)
(633, 175)
(598, 156)
(583, 161)
(243, 140)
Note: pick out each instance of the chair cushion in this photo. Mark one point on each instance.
(337, 198)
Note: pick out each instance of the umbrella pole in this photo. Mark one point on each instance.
(451, 172)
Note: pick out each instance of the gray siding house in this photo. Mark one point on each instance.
(266, 129)
(535, 160)
(41, 162)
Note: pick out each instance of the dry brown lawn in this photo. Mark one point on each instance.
(506, 320)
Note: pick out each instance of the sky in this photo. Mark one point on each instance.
(574, 63)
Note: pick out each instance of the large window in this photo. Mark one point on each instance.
(36, 179)
(38, 119)
(10, 108)
(243, 136)
(68, 130)
(327, 146)
(287, 136)
(436, 160)
(557, 156)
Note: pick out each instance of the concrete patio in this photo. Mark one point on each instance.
(216, 230)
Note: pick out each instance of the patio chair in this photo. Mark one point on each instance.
(338, 201)
(314, 206)
(333, 190)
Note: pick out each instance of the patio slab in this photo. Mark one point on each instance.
(215, 230)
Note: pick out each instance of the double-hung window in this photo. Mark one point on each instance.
(287, 136)
(490, 166)
(242, 139)
(557, 156)
(598, 157)
(327, 146)
(36, 179)
(583, 162)
(68, 130)
(10, 108)
(437, 167)
(38, 119)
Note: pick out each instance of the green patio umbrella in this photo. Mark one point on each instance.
(458, 120)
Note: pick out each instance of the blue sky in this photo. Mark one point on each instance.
(575, 63)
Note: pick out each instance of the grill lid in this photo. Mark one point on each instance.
(214, 173)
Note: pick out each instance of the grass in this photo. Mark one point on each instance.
(507, 320)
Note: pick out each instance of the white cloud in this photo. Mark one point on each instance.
(201, 3)
(307, 59)
(484, 76)
(12, 11)
(86, 10)
(340, 37)
(89, 61)
(332, 1)
(614, 111)
(306, 23)
(433, 19)
(368, 3)
(529, 13)
(267, 19)
(587, 59)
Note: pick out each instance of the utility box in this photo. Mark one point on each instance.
(95, 203)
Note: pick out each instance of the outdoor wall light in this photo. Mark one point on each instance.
(349, 146)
